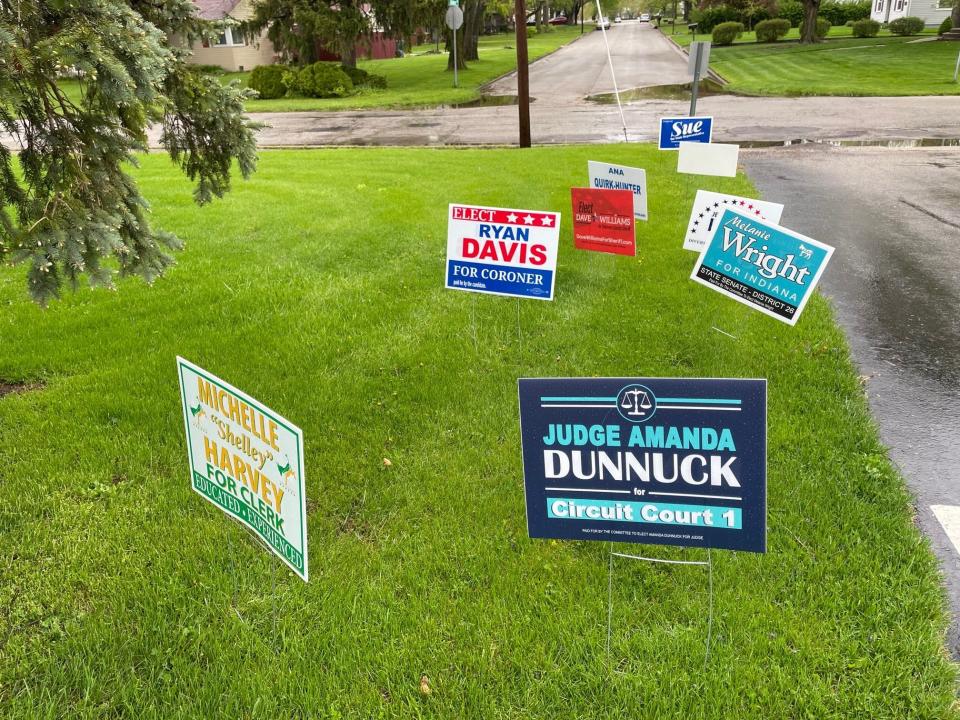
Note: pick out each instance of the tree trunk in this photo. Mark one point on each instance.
(955, 15)
(808, 32)
(472, 25)
(574, 13)
(348, 55)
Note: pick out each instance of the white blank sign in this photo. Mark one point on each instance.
(708, 159)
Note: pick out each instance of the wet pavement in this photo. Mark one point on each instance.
(641, 56)
(894, 217)
(736, 119)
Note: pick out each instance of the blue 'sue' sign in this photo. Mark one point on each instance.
(674, 131)
(667, 461)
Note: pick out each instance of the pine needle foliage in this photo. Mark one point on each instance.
(68, 205)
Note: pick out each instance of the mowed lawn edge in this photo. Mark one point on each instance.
(841, 65)
(317, 288)
(421, 80)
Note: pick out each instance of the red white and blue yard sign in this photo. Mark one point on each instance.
(501, 251)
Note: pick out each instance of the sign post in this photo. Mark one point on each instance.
(697, 65)
(956, 70)
(523, 72)
(454, 21)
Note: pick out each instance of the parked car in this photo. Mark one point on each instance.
(558, 20)
(645, 17)
(617, 19)
(603, 24)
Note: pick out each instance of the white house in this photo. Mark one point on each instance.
(932, 12)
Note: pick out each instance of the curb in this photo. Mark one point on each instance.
(712, 74)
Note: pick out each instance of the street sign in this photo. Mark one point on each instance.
(248, 461)
(454, 17)
(676, 130)
(620, 177)
(500, 251)
(667, 461)
(699, 60)
(763, 265)
(603, 221)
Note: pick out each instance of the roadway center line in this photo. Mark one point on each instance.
(949, 517)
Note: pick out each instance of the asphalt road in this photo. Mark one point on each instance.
(894, 217)
(560, 114)
(641, 57)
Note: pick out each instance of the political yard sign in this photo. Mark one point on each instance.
(604, 176)
(501, 251)
(709, 206)
(674, 131)
(761, 264)
(603, 221)
(248, 461)
(646, 460)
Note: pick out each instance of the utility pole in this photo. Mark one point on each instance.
(523, 72)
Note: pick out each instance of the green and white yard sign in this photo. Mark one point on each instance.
(248, 461)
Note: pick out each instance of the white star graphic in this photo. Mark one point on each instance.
(512, 217)
(528, 220)
(547, 220)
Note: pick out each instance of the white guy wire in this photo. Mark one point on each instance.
(616, 90)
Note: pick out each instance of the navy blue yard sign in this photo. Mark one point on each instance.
(667, 461)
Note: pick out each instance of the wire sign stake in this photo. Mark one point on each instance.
(653, 461)
(708, 564)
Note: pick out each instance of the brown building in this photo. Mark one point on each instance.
(231, 51)
(234, 52)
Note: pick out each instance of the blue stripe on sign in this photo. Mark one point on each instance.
(699, 401)
(654, 513)
(481, 277)
(578, 399)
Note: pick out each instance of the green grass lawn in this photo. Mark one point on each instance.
(684, 38)
(317, 287)
(886, 65)
(421, 80)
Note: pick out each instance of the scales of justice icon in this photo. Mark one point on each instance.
(636, 402)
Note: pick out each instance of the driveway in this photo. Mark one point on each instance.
(641, 57)
(894, 217)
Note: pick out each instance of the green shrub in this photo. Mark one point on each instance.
(752, 15)
(709, 18)
(362, 78)
(907, 26)
(792, 11)
(865, 28)
(726, 33)
(772, 30)
(823, 27)
(946, 26)
(268, 81)
(840, 13)
(320, 80)
(531, 31)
